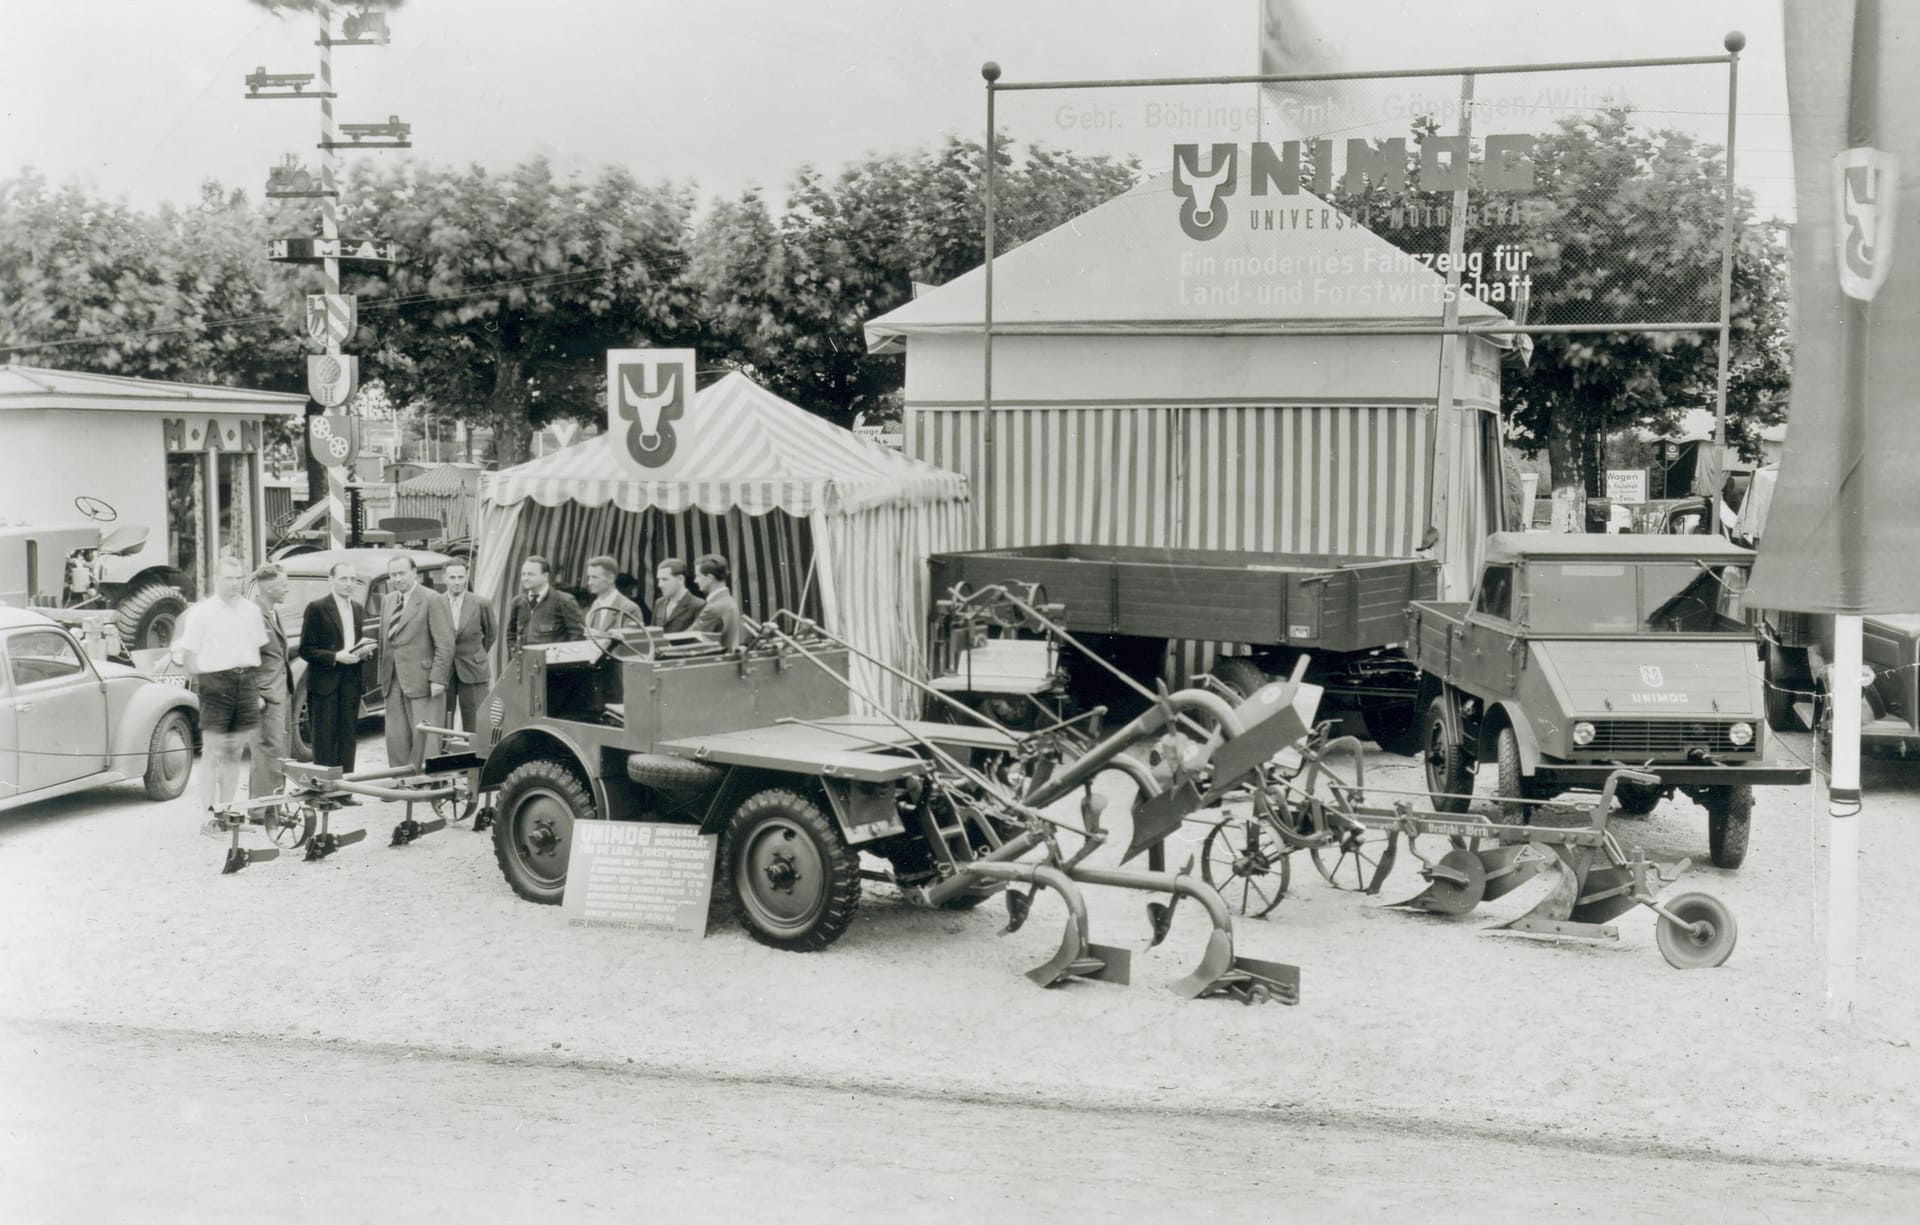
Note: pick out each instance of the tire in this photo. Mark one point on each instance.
(169, 755)
(795, 882)
(1637, 801)
(147, 616)
(1779, 695)
(1729, 814)
(1240, 674)
(1449, 778)
(1685, 950)
(1395, 727)
(1513, 783)
(677, 778)
(533, 826)
(300, 724)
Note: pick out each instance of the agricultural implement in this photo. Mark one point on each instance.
(1312, 806)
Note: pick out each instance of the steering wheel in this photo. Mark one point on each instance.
(607, 641)
(95, 509)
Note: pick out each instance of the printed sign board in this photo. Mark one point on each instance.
(312, 250)
(648, 390)
(332, 378)
(639, 875)
(1627, 484)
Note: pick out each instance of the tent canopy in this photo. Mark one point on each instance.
(443, 480)
(1127, 266)
(741, 447)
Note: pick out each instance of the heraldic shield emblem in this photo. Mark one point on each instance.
(1652, 677)
(647, 391)
(1866, 186)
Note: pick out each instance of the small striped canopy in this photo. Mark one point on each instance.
(444, 480)
(739, 447)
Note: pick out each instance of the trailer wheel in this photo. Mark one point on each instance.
(169, 756)
(1729, 813)
(537, 806)
(795, 880)
(146, 617)
(1449, 779)
(1395, 727)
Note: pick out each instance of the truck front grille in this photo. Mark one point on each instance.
(1638, 738)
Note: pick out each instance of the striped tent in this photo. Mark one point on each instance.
(446, 492)
(808, 516)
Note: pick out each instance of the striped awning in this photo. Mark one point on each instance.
(443, 480)
(740, 447)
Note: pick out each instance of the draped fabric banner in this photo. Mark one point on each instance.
(1844, 524)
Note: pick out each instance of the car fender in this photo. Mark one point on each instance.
(528, 743)
(1508, 713)
(131, 728)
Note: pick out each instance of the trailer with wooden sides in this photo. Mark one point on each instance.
(1347, 614)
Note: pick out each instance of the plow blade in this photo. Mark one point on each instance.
(1160, 815)
(239, 857)
(1258, 744)
(410, 829)
(1507, 868)
(1606, 894)
(1079, 958)
(1455, 885)
(1248, 979)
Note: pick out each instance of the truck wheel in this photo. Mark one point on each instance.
(1240, 674)
(1395, 727)
(533, 827)
(1513, 784)
(1449, 780)
(146, 616)
(169, 756)
(1635, 800)
(1729, 812)
(300, 725)
(1780, 691)
(796, 882)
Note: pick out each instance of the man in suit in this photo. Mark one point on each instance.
(333, 626)
(416, 657)
(721, 616)
(677, 607)
(472, 646)
(275, 682)
(610, 610)
(540, 613)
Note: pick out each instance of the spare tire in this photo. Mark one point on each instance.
(676, 777)
(147, 616)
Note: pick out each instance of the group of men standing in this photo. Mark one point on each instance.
(434, 652)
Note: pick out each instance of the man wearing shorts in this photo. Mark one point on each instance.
(221, 643)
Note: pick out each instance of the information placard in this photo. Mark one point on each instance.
(639, 876)
(1627, 484)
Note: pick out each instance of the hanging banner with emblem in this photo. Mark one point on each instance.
(332, 318)
(647, 391)
(332, 378)
(334, 441)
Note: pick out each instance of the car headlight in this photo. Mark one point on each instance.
(1583, 734)
(1741, 734)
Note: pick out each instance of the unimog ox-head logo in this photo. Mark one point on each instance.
(1652, 677)
(647, 391)
(1203, 210)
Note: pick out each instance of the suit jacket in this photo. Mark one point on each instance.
(275, 676)
(682, 615)
(416, 648)
(472, 640)
(603, 617)
(720, 616)
(321, 634)
(557, 619)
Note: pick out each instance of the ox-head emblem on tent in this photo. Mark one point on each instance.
(1203, 212)
(647, 391)
(1865, 181)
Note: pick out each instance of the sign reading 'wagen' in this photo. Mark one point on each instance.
(639, 876)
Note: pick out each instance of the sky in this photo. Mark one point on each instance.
(145, 98)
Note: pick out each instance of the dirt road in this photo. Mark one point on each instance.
(105, 1123)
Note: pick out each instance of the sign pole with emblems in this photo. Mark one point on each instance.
(332, 375)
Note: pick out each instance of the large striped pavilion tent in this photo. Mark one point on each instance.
(809, 516)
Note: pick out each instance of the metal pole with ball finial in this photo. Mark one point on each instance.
(990, 71)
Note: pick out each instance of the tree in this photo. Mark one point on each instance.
(511, 287)
(788, 299)
(1623, 225)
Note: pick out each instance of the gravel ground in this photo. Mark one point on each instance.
(115, 912)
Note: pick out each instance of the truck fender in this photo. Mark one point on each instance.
(531, 742)
(1509, 714)
(132, 734)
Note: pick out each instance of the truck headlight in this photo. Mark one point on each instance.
(1741, 734)
(1583, 734)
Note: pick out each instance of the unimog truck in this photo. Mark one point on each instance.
(1578, 655)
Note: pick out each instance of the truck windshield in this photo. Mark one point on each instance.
(1601, 597)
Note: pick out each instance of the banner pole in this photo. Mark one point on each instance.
(1735, 43)
(337, 534)
(991, 72)
(1843, 820)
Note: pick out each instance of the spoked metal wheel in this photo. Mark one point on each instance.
(289, 825)
(1248, 863)
(1355, 859)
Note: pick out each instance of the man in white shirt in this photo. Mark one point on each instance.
(221, 644)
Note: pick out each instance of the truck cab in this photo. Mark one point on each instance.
(1580, 654)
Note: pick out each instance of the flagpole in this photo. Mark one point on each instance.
(1843, 821)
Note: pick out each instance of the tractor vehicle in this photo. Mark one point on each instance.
(1580, 655)
(84, 566)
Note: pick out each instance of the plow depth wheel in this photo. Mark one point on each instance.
(538, 804)
(1705, 941)
(1248, 864)
(1449, 779)
(289, 825)
(795, 879)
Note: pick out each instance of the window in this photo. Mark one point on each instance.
(43, 655)
(1496, 592)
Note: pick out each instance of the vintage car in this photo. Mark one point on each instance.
(306, 582)
(1582, 654)
(69, 723)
